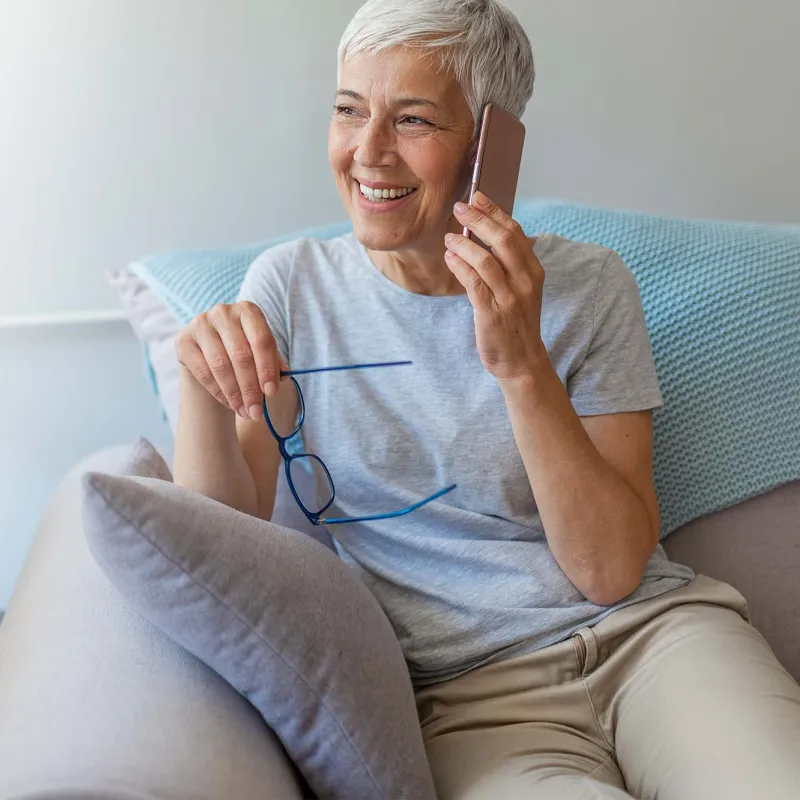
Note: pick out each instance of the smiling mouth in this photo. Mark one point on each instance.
(385, 196)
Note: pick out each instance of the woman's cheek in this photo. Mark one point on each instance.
(447, 164)
(340, 145)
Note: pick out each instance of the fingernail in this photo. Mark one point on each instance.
(460, 208)
(449, 239)
(270, 388)
(242, 412)
(255, 412)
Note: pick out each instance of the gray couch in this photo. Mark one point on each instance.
(96, 703)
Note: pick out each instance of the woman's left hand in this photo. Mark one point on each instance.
(504, 287)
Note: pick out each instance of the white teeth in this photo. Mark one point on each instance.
(381, 195)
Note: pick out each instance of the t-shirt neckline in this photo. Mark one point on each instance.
(413, 297)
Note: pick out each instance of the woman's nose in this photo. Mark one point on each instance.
(375, 147)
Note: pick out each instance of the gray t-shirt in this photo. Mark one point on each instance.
(469, 578)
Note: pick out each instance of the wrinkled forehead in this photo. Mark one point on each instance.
(399, 74)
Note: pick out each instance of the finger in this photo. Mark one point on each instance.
(492, 210)
(493, 226)
(221, 368)
(480, 296)
(265, 350)
(482, 261)
(193, 359)
(238, 350)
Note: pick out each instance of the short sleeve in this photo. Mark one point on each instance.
(618, 373)
(267, 284)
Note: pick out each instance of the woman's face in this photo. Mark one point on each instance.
(399, 124)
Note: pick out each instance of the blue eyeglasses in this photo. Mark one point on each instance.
(295, 461)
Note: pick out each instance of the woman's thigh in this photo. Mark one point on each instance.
(524, 761)
(517, 726)
(698, 706)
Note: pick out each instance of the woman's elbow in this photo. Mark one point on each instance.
(607, 587)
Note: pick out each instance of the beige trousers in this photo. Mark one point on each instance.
(675, 698)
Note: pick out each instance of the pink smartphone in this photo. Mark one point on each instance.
(498, 159)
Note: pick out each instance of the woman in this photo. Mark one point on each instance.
(554, 649)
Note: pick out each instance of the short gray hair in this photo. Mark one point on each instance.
(481, 41)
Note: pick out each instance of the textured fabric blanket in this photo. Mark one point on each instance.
(722, 302)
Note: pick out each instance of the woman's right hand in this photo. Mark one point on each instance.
(231, 352)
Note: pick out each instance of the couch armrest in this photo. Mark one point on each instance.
(755, 546)
(96, 702)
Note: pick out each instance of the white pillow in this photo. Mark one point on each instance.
(156, 328)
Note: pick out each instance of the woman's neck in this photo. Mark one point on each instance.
(420, 269)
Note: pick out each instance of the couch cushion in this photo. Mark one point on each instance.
(280, 617)
(756, 547)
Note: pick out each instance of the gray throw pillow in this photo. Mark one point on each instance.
(144, 461)
(280, 617)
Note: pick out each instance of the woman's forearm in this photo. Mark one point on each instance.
(208, 456)
(592, 519)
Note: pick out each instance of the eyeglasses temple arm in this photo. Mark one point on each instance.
(390, 515)
(345, 367)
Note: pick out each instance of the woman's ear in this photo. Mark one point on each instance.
(466, 178)
(469, 168)
(473, 155)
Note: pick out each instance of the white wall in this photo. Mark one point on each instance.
(65, 394)
(687, 107)
(129, 126)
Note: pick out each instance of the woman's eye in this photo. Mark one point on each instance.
(346, 111)
(415, 121)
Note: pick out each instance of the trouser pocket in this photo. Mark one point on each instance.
(580, 652)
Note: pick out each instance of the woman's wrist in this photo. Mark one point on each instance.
(196, 401)
(531, 379)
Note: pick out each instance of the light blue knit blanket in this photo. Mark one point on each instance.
(722, 302)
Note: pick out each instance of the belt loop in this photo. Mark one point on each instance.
(590, 641)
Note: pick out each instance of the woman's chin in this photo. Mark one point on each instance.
(375, 235)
